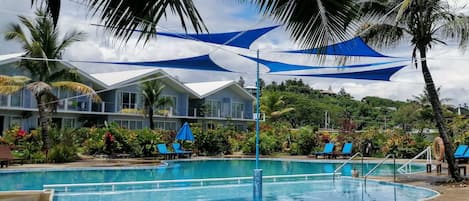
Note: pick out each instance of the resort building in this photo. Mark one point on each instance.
(209, 103)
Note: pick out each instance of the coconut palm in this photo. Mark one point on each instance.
(151, 91)
(43, 43)
(426, 23)
(274, 106)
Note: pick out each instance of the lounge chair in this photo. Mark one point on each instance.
(179, 151)
(346, 150)
(460, 151)
(5, 156)
(328, 149)
(164, 151)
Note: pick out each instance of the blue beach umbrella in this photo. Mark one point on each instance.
(185, 133)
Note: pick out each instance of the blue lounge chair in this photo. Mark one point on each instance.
(460, 151)
(164, 151)
(179, 151)
(346, 150)
(328, 149)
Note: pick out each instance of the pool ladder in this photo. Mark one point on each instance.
(380, 163)
(346, 162)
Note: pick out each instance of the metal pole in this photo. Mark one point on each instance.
(258, 86)
(257, 179)
(394, 167)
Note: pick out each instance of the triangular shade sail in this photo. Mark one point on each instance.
(243, 39)
(353, 47)
(185, 133)
(275, 66)
(203, 62)
(380, 74)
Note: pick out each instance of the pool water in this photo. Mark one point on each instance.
(340, 190)
(315, 189)
(197, 169)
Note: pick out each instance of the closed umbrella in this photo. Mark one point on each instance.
(185, 133)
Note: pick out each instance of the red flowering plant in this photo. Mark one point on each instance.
(108, 142)
(21, 133)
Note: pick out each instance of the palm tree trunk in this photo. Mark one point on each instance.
(437, 111)
(150, 118)
(43, 123)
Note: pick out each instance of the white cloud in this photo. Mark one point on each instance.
(447, 63)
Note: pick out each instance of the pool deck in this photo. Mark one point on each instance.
(426, 180)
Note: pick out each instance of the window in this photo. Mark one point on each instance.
(15, 121)
(69, 123)
(17, 99)
(213, 108)
(130, 124)
(166, 125)
(168, 107)
(237, 110)
(129, 100)
(3, 100)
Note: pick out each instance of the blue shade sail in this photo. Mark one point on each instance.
(380, 74)
(275, 66)
(243, 39)
(203, 62)
(185, 133)
(353, 47)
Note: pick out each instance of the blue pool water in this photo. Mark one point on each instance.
(200, 169)
(340, 190)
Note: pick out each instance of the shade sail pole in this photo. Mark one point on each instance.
(257, 178)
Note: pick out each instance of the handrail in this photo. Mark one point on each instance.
(346, 162)
(200, 182)
(380, 163)
(406, 168)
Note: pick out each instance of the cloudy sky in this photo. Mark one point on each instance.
(448, 64)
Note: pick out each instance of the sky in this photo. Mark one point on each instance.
(449, 65)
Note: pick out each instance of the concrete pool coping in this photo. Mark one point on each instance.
(33, 195)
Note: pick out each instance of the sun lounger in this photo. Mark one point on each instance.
(328, 150)
(460, 151)
(164, 151)
(5, 156)
(346, 150)
(181, 152)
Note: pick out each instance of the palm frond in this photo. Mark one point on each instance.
(39, 88)
(312, 23)
(14, 80)
(64, 75)
(164, 101)
(78, 87)
(69, 38)
(123, 17)
(53, 7)
(6, 89)
(382, 35)
(456, 27)
(14, 32)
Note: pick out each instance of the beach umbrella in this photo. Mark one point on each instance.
(185, 133)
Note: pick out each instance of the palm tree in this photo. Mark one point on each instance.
(273, 105)
(151, 91)
(43, 43)
(426, 22)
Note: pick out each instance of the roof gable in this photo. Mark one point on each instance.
(205, 89)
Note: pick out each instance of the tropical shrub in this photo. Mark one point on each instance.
(211, 141)
(306, 139)
(61, 153)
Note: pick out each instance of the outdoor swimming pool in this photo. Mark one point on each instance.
(203, 169)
